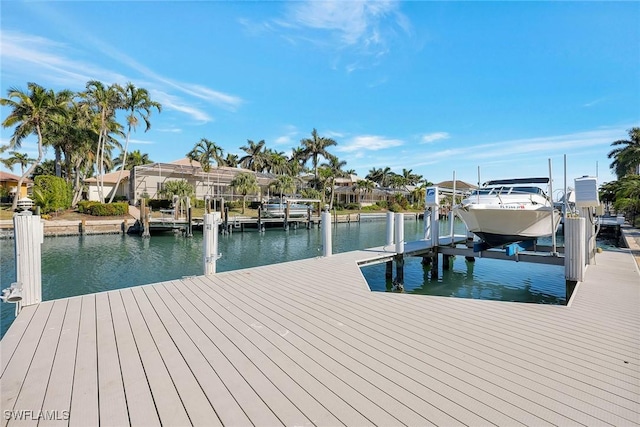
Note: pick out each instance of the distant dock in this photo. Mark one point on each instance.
(307, 343)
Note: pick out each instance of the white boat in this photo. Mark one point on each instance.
(508, 211)
(276, 208)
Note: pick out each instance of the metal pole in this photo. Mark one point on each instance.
(478, 192)
(451, 215)
(566, 201)
(553, 219)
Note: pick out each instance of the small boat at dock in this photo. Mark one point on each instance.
(506, 211)
(277, 208)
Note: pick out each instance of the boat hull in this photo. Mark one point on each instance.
(499, 225)
(273, 210)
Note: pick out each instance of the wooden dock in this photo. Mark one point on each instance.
(307, 343)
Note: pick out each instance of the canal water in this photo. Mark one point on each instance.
(78, 265)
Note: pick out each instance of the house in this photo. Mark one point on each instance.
(9, 185)
(109, 181)
(149, 180)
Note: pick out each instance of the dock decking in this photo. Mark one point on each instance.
(307, 343)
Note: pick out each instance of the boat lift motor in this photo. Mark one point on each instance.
(431, 215)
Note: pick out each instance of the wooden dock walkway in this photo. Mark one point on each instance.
(307, 343)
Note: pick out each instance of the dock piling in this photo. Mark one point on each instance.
(326, 233)
(390, 228)
(210, 241)
(29, 236)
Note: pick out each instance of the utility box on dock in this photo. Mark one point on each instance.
(587, 192)
(432, 197)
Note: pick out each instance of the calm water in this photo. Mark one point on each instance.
(80, 265)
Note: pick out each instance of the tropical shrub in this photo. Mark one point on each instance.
(396, 207)
(51, 193)
(103, 209)
(179, 188)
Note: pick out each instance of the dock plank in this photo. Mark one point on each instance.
(329, 372)
(12, 379)
(113, 403)
(85, 409)
(13, 336)
(196, 403)
(223, 402)
(169, 405)
(40, 367)
(284, 396)
(140, 405)
(60, 385)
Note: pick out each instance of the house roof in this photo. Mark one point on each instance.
(6, 176)
(186, 162)
(110, 178)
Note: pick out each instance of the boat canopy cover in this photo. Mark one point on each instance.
(518, 181)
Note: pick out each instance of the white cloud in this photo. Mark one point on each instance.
(368, 142)
(550, 144)
(51, 61)
(433, 137)
(140, 142)
(366, 27)
(289, 136)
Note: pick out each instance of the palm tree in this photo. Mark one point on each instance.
(297, 161)
(245, 183)
(105, 101)
(334, 165)
(315, 147)
(18, 158)
(277, 163)
(364, 186)
(381, 176)
(626, 157)
(283, 184)
(204, 152)
(255, 159)
(231, 160)
(137, 103)
(180, 188)
(134, 158)
(410, 178)
(31, 113)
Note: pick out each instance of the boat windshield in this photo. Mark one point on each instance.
(502, 190)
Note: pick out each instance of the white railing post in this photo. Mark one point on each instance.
(574, 251)
(399, 218)
(390, 228)
(29, 236)
(326, 233)
(210, 241)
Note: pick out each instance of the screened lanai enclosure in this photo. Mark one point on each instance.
(149, 180)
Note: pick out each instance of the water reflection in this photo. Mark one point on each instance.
(482, 279)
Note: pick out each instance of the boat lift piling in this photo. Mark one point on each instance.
(326, 233)
(210, 242)
(398, 282)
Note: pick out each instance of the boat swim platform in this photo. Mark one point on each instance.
(307, 343)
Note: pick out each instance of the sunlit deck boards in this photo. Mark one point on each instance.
(306, 343)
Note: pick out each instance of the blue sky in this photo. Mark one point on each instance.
(435, 87)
